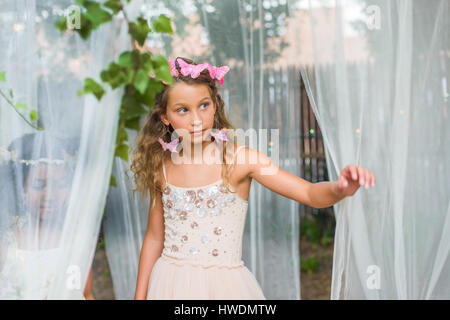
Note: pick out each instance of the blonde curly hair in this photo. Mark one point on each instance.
(148, 155)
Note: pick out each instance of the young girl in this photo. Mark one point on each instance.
(193, 245)
(35, 209)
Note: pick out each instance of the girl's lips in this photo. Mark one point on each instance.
(198, 132)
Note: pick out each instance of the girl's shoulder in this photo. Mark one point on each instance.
(235, 147)
(252, 159)
(243, 151)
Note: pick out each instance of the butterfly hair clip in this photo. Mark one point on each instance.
(218, 72)
(220, 135)
(171, 146)
(194, 70)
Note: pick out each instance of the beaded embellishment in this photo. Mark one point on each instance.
(191, 206)
(201, 202)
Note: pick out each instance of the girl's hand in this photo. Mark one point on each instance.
(351, 178)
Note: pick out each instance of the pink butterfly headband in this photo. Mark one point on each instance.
(194, 70)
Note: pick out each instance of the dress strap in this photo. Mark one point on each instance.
(164, 172)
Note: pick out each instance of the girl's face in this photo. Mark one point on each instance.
(46, 193)
(190, 111)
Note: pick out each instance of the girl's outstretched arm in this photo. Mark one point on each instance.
(152, 247)
(316, 195)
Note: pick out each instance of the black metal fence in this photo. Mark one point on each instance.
(312, 150)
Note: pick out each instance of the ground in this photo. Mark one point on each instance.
(316, 285)
(102, 286)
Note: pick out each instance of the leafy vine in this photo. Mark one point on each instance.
(140, 73)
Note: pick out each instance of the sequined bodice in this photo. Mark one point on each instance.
(204, 225)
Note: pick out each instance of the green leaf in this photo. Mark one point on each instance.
(61, 24)
(162, 69)
(141, 81)
(159, 60)
(146, 62)
(114, 75)
(112, 181)
(122, 152)
(101, 244)
(11, 93)
(310, 265)
(91, 86)
(96, 14)
(132, 107)
(133, 123)
(21, 106)
(122, 136)
(128, 59)
(114, 5)
(162, 25)
(148, 98)
(3, 76)
(33, 115)
(86, 27)
(139, 30)
(131, 73)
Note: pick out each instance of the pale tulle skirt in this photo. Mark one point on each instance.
(172, 280)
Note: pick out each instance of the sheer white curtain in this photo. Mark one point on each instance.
(53, 181)
(378, 86)
(124, 228)
(258, 94)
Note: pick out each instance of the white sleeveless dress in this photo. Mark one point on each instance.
(202, 251)
(28, 274)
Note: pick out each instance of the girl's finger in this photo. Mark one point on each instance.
(352, 169)
(344, 182)
(341, 181)
(361, 175)
(370, 179)
(346, 173)
(367, 184)
(364, 177)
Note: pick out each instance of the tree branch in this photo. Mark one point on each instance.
(12, 105)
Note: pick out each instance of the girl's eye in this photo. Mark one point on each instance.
(184, 109)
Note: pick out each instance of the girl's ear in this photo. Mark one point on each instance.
(164, 119)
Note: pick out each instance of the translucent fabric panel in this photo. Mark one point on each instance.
(126, 216)
(53, 181)
(378, 86)
(124, 228)
(258, 94)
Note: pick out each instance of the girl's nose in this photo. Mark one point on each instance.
(197, 123)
